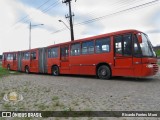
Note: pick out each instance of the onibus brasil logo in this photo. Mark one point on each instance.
(13, 96)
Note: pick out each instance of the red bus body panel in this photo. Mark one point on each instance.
(11, 62)
(32, 64)
(87, 64)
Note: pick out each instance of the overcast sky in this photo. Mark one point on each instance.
(15, 16)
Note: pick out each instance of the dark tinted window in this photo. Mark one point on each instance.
(9, 56)
(102, 45)
(33, 55)
(118, 45)
(75, 49)
(64, 51)
(123, 45)
(26, 55)
(3, 57)
(49, 53)
(53, 52)
(127, 41)
(14, 56)
(88, 47)
(137, 50)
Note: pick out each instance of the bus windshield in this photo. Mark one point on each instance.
(146, 46)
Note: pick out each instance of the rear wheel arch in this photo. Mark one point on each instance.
(8, 67)
(55, 70)
(26, 69)
(102, 65)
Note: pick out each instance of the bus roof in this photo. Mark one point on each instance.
(21, 51)
(79, 40)
(97, 36)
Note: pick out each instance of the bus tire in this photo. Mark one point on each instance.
(8, 67)
(27, 69)
(104, 72)
(55, 70)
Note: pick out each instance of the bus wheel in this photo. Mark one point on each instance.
(104, 72)
(27, 69)
(8, 67)
(55, 70)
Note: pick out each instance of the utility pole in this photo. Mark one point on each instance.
(30, 27)
(70, 18)
(30, 35)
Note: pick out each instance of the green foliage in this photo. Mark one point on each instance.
(5, 72)
(55, 98)
(158, 52)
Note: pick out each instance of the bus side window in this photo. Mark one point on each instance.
(118, 45)
(14, 56)
(33, 55)
(64, 51)
(137, 50)
(49, 53)
(10, 57)
(88, 47)
(54, 52)
(127, 42)
(102, 45)
(26, 56)
(4, 57)
(75, 49)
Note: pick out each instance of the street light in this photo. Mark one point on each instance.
(64, 24)
(30, 27)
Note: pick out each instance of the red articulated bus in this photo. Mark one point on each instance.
(32, 60)
(122, 53)
(27, 61)
(9, 60)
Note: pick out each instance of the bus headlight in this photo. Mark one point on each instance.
(149, 66)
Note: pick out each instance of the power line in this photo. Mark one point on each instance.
(43, 4)
(47, 9)
(28, 15)
(102, 17)
(25, 19)
(63, 29)
(114, 6)
(51, 6)
(115, 13)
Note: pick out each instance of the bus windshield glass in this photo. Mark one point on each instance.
(146, 46)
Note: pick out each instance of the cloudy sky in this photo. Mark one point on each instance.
(91, 18)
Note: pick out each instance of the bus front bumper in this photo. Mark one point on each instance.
(149, 69)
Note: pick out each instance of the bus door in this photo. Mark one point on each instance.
(123, 60)
(20, 57)
(42, 60)
(15, 62)
(64, 59)
(4, 60)
(33, 61)
(137, 59)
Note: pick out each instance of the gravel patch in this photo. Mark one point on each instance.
(81, 93)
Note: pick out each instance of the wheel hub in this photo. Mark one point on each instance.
(103, 72)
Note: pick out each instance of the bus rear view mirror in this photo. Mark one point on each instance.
(139, 36)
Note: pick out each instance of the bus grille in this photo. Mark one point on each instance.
(155, 67)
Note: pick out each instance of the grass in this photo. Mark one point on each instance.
(158, 52)
(5, 72)
(7, 106)
(55, 98)
(42, 106)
